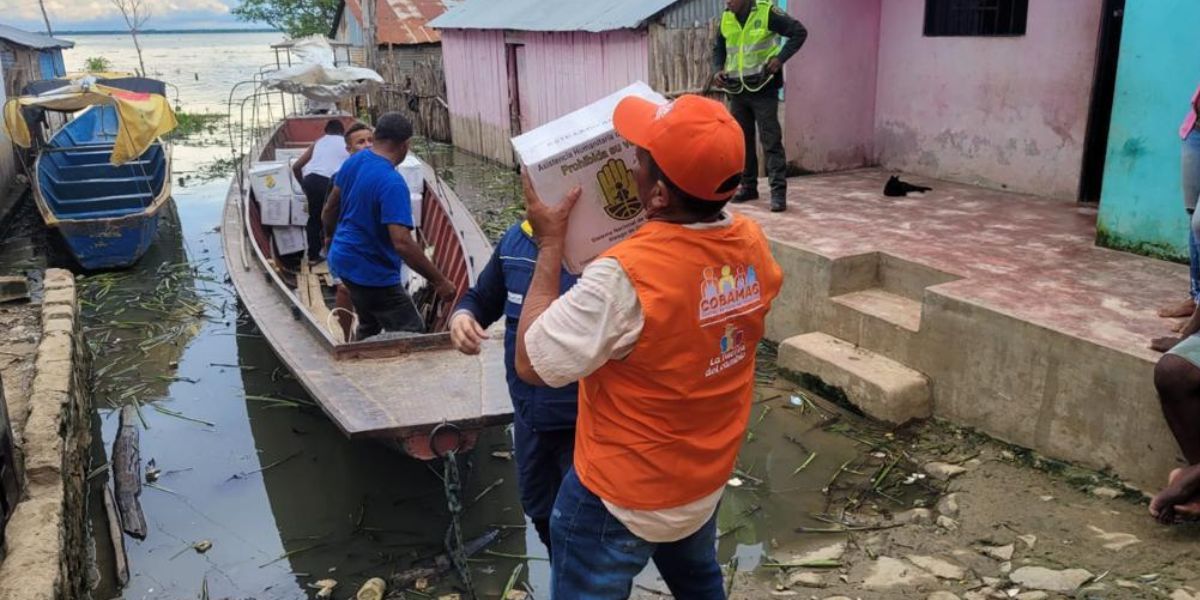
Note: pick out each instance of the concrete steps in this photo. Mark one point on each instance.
(885, 306)
(881, 387)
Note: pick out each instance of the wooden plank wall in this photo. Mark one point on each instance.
(477, 92)
(567, 71)
(680, 59)
(416, 88)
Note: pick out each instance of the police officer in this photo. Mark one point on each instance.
(749, 64)
(544, 417)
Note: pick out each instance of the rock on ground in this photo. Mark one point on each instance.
(942, 596)
(1114, 541)
(810, 580)
(1033, 596)
(832, 552)
(1041, 578)
(947, 523)
(889, 572)
(940, 568)
(943, 471)
(1000, 553)
(948, 505)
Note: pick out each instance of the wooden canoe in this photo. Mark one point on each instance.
(416, 392)
(108, 216)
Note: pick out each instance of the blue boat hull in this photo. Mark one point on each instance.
(107, 216)
(108, 244)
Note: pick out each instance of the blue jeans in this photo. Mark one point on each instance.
(596, 557)
(1190, 165)
(543, 459)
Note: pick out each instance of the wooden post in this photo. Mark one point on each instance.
(127, 474)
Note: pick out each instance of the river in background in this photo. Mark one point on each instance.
(244, 460)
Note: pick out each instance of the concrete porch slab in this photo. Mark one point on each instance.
(1028, 331)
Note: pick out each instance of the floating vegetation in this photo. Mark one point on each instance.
(136, 331)
(192, 124)
(220, 168)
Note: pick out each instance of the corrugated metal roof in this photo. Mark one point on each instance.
(693, 13)
(559, 15)
(32, 40)
(403, 22)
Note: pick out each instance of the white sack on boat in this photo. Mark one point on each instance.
(317, 77)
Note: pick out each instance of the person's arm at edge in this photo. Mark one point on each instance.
(413, 255)
(480, 306)
(791, 28)
(486, 300)
(544, 288)
(331, 212)
(298, 166)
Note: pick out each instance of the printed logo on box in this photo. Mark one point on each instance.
(621, 200)
(727, 292)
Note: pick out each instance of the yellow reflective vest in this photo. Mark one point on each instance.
(749, 48)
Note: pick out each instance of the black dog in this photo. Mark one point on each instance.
(896, 188)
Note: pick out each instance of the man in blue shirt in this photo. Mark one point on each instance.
(544, 418)
(374, 235)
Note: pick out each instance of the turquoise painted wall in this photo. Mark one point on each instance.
(1141, 208)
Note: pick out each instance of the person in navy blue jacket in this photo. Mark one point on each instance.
(543, 418)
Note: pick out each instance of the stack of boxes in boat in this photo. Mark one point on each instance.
(583, 149)
(281, 201)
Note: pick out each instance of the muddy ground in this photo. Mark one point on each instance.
(1006, 524)
(21, 324)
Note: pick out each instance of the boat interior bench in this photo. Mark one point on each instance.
(79, 182)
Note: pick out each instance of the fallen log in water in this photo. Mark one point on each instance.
(127, 474)
(115, 534)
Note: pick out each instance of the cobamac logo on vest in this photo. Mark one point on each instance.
(621, 200)
(728, 292)
(732, 351)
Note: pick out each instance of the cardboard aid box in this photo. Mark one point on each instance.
(583, 149)
(299, 210)
(413, 172)
(272, 185)
(289, 240)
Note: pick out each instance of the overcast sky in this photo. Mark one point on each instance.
(100, 14)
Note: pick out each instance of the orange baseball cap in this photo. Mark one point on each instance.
(694, 140)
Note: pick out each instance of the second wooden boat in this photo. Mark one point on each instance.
(103, 178)
(417, 392)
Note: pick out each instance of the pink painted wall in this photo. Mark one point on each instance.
(1003, 112)
(476, 75)
(567, 71)
(559, 73)
(477, 91)
(831, 85)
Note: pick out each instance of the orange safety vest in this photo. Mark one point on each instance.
(662, 428)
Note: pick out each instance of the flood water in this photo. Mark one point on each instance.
(246, 462)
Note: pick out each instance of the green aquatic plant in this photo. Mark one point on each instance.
(97, 64)
(191, 124)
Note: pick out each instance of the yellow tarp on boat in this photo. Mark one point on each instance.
(143, 117)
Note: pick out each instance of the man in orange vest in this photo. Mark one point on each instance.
(660, 331)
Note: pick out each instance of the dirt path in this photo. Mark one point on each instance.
(1005, 530)
(1008, 525)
